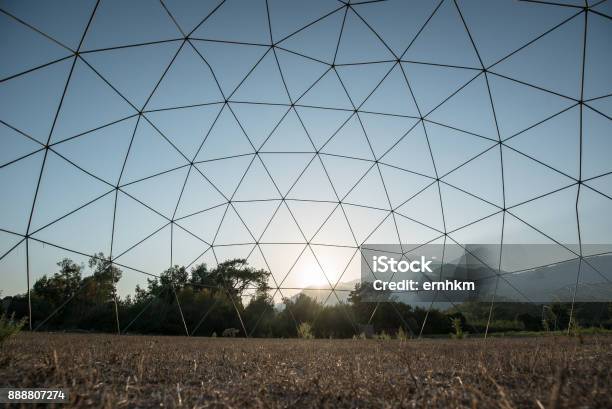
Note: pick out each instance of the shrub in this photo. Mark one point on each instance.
(575, 330)
(402, 335)
(305, 331)
(458, 328)
(361, 335)
(9, 327)
(384, 336)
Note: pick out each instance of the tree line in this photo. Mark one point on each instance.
(235, 297)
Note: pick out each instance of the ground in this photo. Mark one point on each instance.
(145, 371)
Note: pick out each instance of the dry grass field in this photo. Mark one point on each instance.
(144, 371)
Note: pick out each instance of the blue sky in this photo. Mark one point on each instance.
(374, 123)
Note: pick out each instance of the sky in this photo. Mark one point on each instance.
(292, 132)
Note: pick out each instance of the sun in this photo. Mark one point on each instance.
(305, 274)
(320, 272)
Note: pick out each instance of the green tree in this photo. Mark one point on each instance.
(101, 286)
(233, 275)
(259, 315)
(62, 285)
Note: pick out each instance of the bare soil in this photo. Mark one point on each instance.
(145, 371)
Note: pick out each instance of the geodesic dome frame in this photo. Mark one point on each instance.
(293, 133)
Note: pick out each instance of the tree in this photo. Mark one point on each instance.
(361, 299)
(62, 285)
(200, 276)
(177, 277)
(259, 315)
(334, 321)
(103, 269)
(233, 275)
(9, 326)
(100, 287)
(170, 281)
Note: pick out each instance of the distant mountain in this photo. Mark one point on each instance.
(323, 294)
(557, 282)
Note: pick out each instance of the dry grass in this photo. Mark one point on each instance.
(138, 371)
